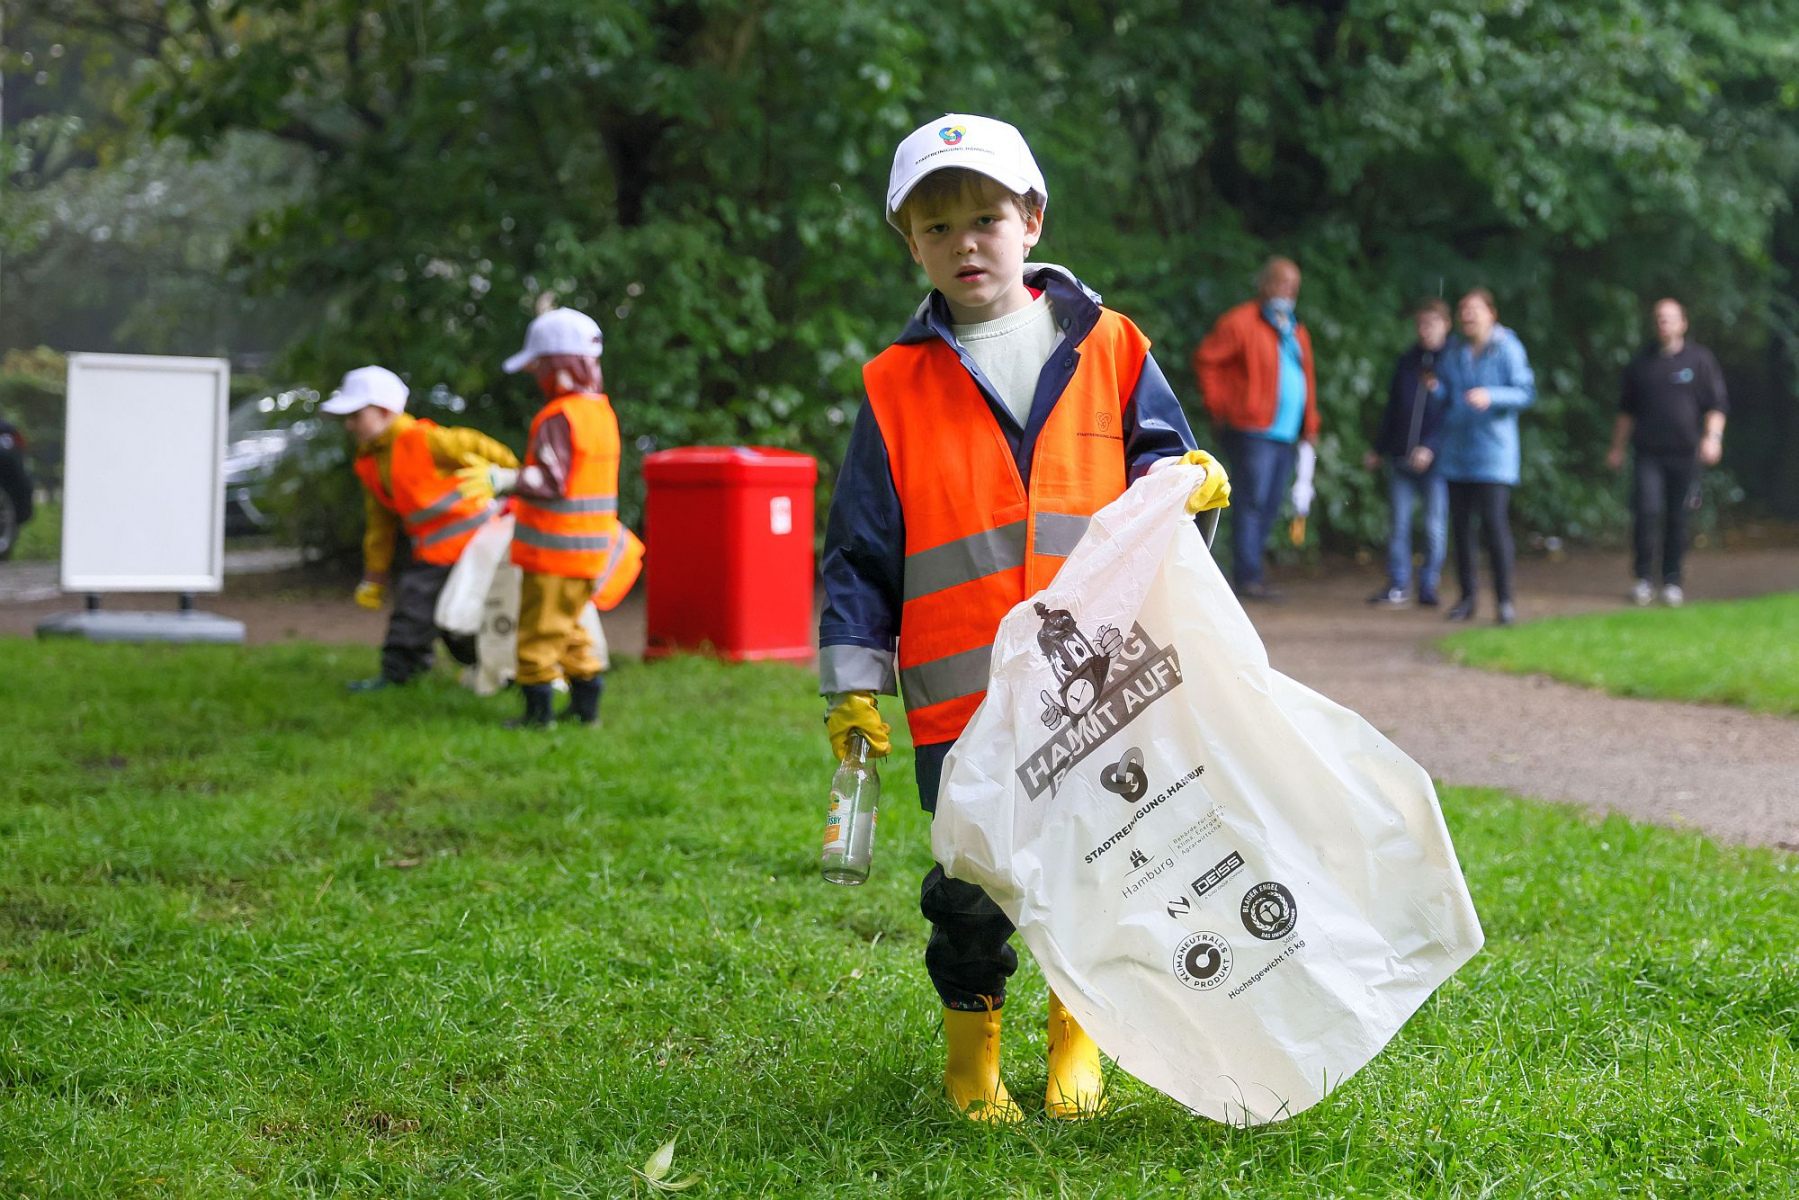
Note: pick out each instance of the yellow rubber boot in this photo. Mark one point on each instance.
(1077, 1086)
(971, 1077)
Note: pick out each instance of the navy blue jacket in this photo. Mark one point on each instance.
(865, 535)
(1414, 415)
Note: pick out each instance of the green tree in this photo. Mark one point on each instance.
(705, 177)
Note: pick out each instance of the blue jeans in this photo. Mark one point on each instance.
(1261, 472)
(1404, 490)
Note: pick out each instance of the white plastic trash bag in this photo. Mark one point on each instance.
(1239, 888)
(496, 642)
(496, 622)
(464, 597)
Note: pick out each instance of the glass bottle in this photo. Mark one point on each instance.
(850, 823)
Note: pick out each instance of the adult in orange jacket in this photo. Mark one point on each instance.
(418, 519)
(1255, 372)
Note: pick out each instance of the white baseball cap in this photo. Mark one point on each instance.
(367, 386)
(559, 331)
(992, 148)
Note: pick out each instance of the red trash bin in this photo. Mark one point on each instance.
(729, 530)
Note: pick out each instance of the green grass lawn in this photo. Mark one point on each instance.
(40, 539)
(258, 935)
(1744, 652)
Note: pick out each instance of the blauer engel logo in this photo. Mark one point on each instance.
(951, 134)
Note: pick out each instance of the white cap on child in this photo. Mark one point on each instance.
(365, 387)
(559, 331)
(992, 148)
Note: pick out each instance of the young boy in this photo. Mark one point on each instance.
(568, 536)
(1011, 409)
(408, 469)
(1411, 430)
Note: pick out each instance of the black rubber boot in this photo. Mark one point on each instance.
(540, 705)
(584, 700)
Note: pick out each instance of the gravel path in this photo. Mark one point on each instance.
(1733, 774)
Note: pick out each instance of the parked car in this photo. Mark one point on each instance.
(15, 487)
(260, 433)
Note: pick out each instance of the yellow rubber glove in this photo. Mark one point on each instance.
(856, 713)
(475, 482)
(370, 595)
(1215, 492)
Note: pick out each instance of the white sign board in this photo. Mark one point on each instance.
(143, 506)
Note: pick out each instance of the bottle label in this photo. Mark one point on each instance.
(833, 824)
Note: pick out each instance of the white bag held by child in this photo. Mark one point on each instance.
(485, 564)
(464, 595)
(1239, 888)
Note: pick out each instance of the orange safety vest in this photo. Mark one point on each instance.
(623, 567)
(574, 536)
(439, 520)
(978, 540)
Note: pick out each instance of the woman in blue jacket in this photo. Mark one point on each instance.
(1488, 378)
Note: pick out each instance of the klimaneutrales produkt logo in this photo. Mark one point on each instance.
(1202, 961)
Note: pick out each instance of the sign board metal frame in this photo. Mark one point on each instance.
(143, 475)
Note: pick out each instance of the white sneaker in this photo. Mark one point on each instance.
(1672, 596)
(1642, 593)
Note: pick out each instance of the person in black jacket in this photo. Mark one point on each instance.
(1672, 413)
(1410, 430)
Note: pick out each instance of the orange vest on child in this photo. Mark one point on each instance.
(978, 538)
(576, 536)
(439, 520)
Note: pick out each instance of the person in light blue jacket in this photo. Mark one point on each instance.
(1489, 381)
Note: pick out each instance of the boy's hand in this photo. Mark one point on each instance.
(1215, 490)
(481, 480)
(370, 595)
(856, 713)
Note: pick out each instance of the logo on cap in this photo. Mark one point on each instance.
(951, 134)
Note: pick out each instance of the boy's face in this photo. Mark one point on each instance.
(1433, 329)
(368, 422)
(973, 247)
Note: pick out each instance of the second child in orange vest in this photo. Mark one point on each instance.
(568, 537)
(1012, 408)
(418, 519)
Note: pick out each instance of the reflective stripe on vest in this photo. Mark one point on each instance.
(586, 504)
(560, 541)
(992, 550)
(978, 540)
(572, 535)
(466, 525)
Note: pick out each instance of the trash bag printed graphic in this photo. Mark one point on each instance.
(1202, 961)
(1081, 666)
(1103, 685)
(1240, 889)
(1126, 778)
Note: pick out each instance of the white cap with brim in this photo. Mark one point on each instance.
(365, 387)
(962, 140)
(559, 331)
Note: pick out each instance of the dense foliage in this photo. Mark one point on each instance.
(706, 177)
